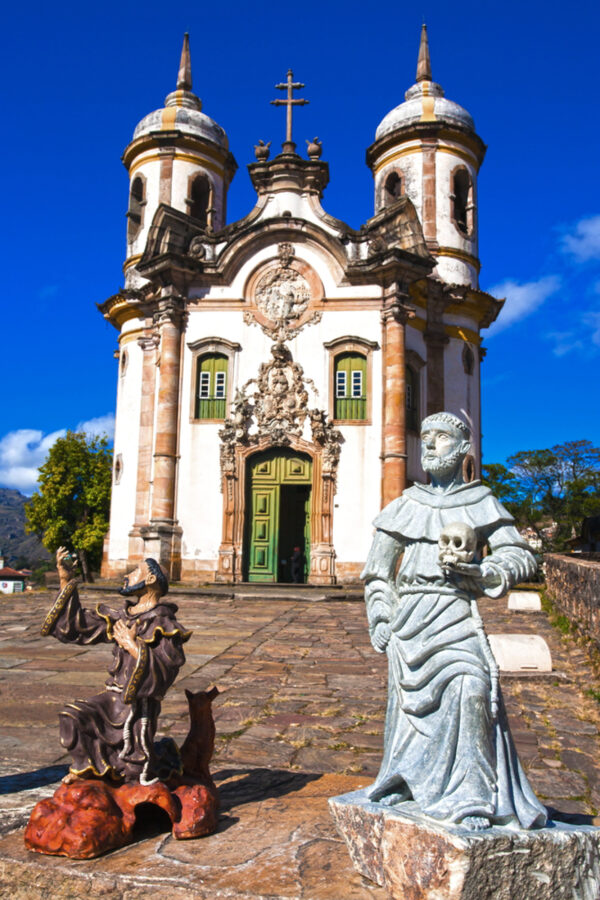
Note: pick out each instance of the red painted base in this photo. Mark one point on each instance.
(87, 818)
(90, 817)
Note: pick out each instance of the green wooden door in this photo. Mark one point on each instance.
(271, 475)
(263, 545)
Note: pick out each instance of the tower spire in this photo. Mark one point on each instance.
(423, 62)
(184, 76)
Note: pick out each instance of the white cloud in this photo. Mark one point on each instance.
(564, 342)
(583, 243)
(99, 426)
(592, 321)
(521, 299)
(22, 452)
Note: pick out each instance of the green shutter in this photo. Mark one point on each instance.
(353, 405)
(212, 406)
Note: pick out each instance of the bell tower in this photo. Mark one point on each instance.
(180, 157)
(428, 150)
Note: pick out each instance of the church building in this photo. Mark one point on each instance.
(273, 371)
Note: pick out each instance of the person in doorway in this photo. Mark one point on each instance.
(297, 566)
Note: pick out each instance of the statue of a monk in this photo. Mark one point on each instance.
(111, 735)
(447, 747)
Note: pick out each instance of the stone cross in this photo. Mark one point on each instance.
(290, 86)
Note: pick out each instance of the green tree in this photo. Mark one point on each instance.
(551, 490)
(71, 506)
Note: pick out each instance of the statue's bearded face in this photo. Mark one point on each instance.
(443, 449)
(135, 583)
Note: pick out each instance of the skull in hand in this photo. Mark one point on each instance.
(457, 544)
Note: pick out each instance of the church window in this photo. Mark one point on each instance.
(199, 200)
(393, 188)
(468, 359)
(135, 213)
(350, 399)
(123, 363)
(118, 468)
(462, 201)
(412, 399)
(213, 368)
(211, 386)
(350, 379)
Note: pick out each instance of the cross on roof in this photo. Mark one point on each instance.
(290, 86)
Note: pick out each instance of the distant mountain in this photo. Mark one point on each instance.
(14, 543)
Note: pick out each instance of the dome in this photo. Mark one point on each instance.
(425, 102)
(184, 118)
(183, 110)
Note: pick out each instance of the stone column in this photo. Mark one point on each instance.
(393, 451)
(163, 537)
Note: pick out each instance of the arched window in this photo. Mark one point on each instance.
(211, 386)
(462, 201)
(135, 213)
(199, 200)
(393, 188)
(468, 359)
(412, 399)
(350, 385)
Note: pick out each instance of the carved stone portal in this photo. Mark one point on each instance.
(276, 414)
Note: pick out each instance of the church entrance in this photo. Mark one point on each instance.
(277, 532)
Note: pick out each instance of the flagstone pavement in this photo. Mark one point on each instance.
(299, 718)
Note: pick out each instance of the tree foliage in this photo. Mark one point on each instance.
(71, 506)
(551, 491)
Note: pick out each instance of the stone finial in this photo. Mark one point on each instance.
(261, 151)
(423, 62)
(184, 76)
(314, 148)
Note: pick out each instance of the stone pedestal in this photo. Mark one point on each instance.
(415, 858)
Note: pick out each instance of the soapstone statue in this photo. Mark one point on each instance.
(447, 744)
(117, 767)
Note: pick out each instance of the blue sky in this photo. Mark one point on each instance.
(79, 77)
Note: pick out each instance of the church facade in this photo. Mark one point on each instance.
(273, 371)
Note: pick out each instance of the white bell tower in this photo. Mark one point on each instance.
(428, 150)
(180, 157)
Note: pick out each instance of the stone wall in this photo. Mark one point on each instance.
(574, 586)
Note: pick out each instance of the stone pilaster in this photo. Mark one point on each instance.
(429, 194)
(436, 340)
(149, 344)
(393, 450)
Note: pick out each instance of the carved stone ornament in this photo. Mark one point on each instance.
(286, 253)
(282, 294)
(197, 248)
(277, 411)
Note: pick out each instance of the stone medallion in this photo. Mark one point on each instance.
(282, 294)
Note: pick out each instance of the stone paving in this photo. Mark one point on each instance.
(300, 717)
